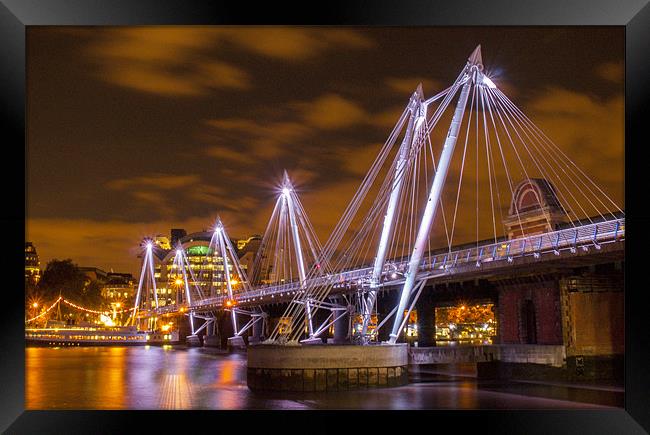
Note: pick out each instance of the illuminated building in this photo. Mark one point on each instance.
(250, 244)
(162, 242)
(247, 250)
(32, 264)
(207, 269)
(466, 324)
(119, 288)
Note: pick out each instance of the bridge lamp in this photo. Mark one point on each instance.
(489, 83)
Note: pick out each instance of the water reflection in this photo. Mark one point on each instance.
(151, 377)
(92, 377)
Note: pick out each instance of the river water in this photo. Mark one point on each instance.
(152, 377)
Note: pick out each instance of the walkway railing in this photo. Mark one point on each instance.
(571, 239)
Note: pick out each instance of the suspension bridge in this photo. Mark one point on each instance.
(466, 186)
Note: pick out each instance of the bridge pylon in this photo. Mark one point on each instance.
(469, 76)
(146, 298)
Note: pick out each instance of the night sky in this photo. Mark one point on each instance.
(132, 131)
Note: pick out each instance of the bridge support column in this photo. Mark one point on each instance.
(341, 328)
(258, 332)
(212, 338)
(385, 304)
(426, 320)
(326, 368)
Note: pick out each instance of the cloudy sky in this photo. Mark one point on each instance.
(132, 131)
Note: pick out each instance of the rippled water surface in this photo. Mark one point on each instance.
(152, 377)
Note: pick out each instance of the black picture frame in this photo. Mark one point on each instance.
(16, 15)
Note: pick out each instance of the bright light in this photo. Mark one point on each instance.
(118, 305)
(178, 281)
(234, 282)
(35, 305)
(165, 328)
(106, 320)
(149, 245)
(490, 84)
(286, 191)
(178, 252)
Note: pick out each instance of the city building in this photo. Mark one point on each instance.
(94, 274)
(535, 209)
(247, 250)
(162, 242)
(207, 269)
(32, 264)
(119, 289)
(177, 234)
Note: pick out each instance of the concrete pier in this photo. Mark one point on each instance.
(326, 367)
(193, 340)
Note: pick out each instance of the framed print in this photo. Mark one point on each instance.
(382, 211)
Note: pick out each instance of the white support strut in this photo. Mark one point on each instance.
(187, 287)
(226, 271)
(299, 257)
(470, 70)
(418, 112)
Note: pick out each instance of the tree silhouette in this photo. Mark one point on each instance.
(61, 277)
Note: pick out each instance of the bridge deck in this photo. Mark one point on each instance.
(562, 245)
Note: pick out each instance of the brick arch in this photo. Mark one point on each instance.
(533, 194)
(534, 208)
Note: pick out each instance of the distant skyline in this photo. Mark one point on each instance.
(132, 131)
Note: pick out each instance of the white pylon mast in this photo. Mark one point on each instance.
(137, 295)
(224, 255)
(472, 69)
(147, 263)
(153, 274)
(287, 189)
(181, 261)
(418, 112)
